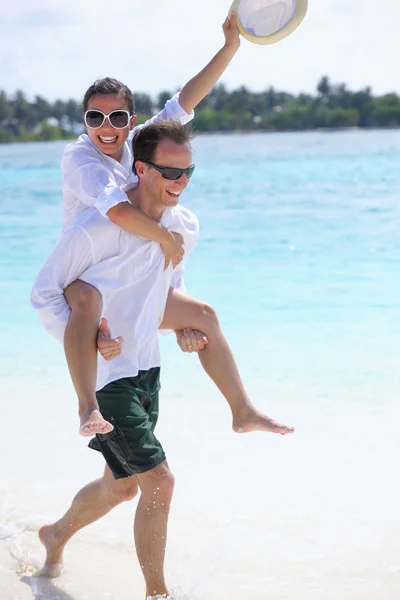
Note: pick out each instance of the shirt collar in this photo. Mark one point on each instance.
(126, 161)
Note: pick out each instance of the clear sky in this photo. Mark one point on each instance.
(57, 48)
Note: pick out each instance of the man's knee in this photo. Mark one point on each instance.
(166, 484)
(158, 482)
(83, 298)
(124, 490)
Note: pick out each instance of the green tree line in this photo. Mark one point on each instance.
(332, 106)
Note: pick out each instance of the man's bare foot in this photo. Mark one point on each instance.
(93, 423)
(249, 419)
(54, 550)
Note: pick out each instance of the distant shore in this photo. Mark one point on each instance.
(70, 138)
(332, 107)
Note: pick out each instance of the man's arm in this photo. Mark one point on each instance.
(197, 88)
(71, 257)
(190, 229)
(191, 340)
(188, 340)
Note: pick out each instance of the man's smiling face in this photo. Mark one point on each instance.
(164, 192)
(107, 138)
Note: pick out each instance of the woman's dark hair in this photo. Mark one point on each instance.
(147, 138)
(109, 86)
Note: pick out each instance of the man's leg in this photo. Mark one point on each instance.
(183, 311)
(151, 526)
(80, 345)
(90, 504)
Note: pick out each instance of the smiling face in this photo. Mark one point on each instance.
(106, 138)
(163, 192)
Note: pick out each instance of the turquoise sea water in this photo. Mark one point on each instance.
(299, 249)
(300, 255)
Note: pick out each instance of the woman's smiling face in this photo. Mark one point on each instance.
(107, 138)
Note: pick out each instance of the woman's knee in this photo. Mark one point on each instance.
(207, 317)
(83, 298)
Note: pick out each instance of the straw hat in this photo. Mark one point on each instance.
(278, 18)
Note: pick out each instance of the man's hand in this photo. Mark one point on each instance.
(173, 250)
(109, 348)
(231, 31)
(190, 340)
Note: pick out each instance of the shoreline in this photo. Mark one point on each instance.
(86, 560)
(11, 586)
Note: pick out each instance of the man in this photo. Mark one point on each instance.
(129, 273)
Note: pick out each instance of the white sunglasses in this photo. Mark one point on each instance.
(119, 119)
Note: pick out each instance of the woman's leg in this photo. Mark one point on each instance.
(80, 345)
(183, 311)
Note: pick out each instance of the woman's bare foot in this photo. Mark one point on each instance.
(93, 423)
(54, 550)
(249, 419)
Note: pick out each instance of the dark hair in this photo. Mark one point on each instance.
(108, 85)
(147, 138)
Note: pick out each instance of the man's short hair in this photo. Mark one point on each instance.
(108, 85)
(146, 139)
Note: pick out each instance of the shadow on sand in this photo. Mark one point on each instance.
(44, 589)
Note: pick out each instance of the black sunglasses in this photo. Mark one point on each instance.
(172, 173)
(119, 119)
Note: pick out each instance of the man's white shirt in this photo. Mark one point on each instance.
(93, 179)
(128, 271)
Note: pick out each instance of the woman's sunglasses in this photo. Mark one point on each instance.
(172, 173)
(119, 119)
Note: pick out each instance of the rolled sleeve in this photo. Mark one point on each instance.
(93, 183)
(178, 282)
(172, 111)
(70, 258)
(109, 197)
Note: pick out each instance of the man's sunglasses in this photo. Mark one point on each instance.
(171, 172)
(119, 119)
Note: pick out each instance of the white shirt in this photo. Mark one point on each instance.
(128, 271)
(93, 179)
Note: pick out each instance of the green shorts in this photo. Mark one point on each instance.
(131, 406)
